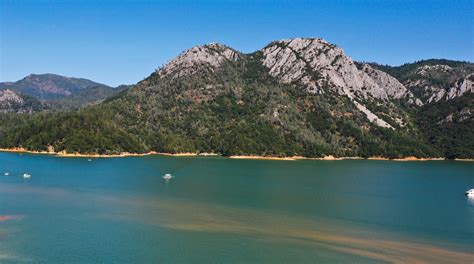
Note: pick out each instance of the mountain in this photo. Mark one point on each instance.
(449, 125)
(60, 92)
(293, 97)
(446, 113)
(434, 80)
(48, 86)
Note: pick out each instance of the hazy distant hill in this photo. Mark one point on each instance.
(86, 96)
(48, 86)
(60, 92)
(293, 97)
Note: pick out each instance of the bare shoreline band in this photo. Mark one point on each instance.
(190, 154)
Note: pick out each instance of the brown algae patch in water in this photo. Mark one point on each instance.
(272, 227)
(277, 228)
(4, 218)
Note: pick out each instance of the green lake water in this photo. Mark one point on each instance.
(218, 210)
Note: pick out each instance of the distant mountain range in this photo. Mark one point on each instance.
(301, 97)
(50, 91)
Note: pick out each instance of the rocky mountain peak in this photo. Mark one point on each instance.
(300, 60)
(192, 60)
(321, 67)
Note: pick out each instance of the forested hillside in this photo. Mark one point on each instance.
(294, 97)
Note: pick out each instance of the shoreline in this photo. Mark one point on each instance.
(332, 158)
(121, 155)
(76, 155)
(192, 154)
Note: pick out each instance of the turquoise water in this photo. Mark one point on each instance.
(218, 210)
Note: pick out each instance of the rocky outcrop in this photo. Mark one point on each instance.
(8, 97)
(425, 70)
(393, 88)
(434, 93)
(434, 83)
(320, 67)
(314, 63)
(428, 92)
(10, 101)
(462, 86)
(460, 116)
(371, 116)
(207, 57)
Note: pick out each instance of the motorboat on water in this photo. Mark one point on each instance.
(6, 174)
(26, 176)
(470, 193)
(167, 176)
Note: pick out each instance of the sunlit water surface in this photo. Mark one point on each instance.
(218, 210)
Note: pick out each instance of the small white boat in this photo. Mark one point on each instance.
(89, 160)
(6, 174)
(470, 193)
(26, 176)
(167, 176)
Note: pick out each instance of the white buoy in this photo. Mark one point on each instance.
(6, 174)
(89, 160)
(470, 193)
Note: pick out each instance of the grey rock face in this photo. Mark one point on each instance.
(192, 60)
(426, 69)
(9, 100)
(8, 97)
(434, 83)
(393, 88)
(319, 65)
(462, 86)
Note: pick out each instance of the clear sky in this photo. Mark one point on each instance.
(121, 42)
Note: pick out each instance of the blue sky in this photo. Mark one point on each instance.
(121, 42)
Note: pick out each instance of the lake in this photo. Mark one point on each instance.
(219, 210)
